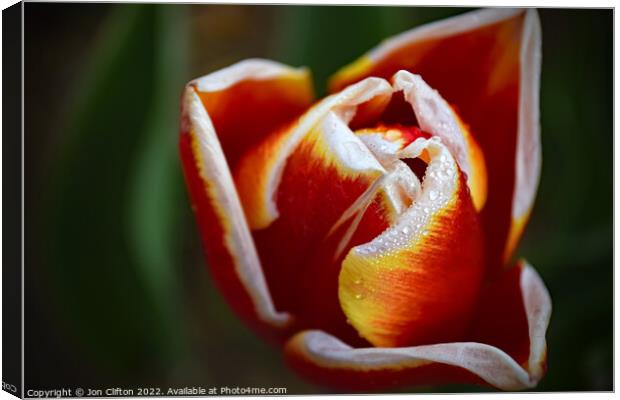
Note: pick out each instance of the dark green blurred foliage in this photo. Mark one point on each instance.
(570, 236)
(113, 265)
(111, 195)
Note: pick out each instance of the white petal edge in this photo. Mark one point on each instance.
(537, 304)
(488, 362)
(250, 69)
(529, 153)
(443, 28)
(214, 169)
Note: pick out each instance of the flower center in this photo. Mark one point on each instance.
(386, 142)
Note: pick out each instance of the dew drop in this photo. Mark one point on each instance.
(359, 296)
(352, 149)
(433, 195)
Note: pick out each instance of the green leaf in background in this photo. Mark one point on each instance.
(111, 225)
(570, 235)
(156, 189)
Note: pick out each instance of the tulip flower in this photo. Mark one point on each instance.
(371, 233)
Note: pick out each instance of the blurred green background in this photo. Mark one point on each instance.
(117, 293)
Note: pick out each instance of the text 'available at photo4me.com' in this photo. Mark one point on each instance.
(153, 391)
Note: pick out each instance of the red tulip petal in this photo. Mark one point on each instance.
(212, 136)
(486, 64)
(249, 100)
(328, 361)
(298, 182)
(418, 281)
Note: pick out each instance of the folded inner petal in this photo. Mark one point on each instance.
(435, 116)
(417, 282)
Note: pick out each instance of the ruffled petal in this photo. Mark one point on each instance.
(328, 361)
(212, 136)
(487, 65)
